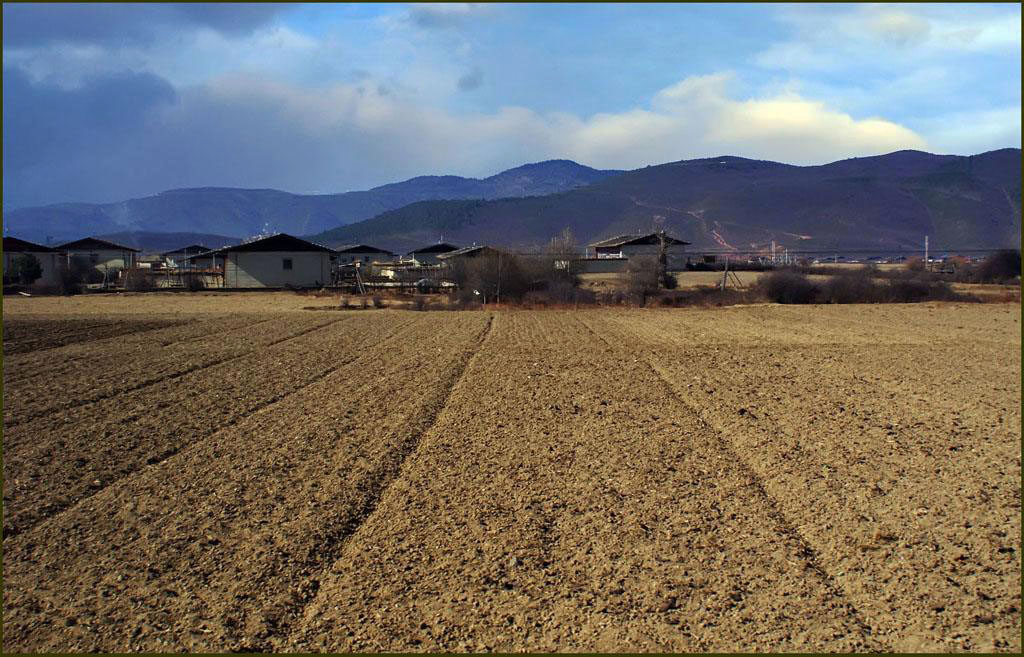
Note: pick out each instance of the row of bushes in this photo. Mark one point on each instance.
(855, 286)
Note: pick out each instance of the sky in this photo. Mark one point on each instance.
(104, 102)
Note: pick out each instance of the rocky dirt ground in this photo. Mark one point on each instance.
(840, 478)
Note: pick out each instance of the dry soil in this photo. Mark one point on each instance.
(216, 473)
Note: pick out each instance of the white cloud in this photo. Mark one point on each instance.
(250, 131)
(888, 37)
(696, 117)
(897, 27)
(974, 131)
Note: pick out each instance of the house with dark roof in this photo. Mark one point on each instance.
(624, 247)
(361, 253)
(172, 258)
(50, 260)
(277, 261)
(467, 252)
(427, 255)
(101, 254)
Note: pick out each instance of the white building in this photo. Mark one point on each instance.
(277, 261)
(100, 254)
(50, 260)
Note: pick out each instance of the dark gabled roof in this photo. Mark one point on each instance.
(360, 248)
(97, 244)
(279, 242)
(16, 245)
(191, 248)
(468, 251)
(440, 247)
(623, 240)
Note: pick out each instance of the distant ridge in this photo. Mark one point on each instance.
(159, 242)
(242, 212)
(882, 202)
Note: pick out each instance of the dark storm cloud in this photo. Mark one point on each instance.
(48, 130)
(31, 25)
(471, 80)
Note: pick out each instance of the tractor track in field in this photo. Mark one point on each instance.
(381, 480)
(12, 347)
(59, 509)
(148, 383)
(808, 553)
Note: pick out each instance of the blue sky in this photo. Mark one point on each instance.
(106, 102)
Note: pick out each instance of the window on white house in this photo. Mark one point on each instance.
(287, 263)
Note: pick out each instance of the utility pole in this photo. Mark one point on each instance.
(773, 252)
(662, 258)
(926, 253)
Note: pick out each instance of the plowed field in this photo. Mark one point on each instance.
(841, 478)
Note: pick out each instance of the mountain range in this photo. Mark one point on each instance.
(241, 213)
(880, 203)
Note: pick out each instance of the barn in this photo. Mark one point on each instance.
(100, 254)
(428, 254)
(277, 261)
(50, 260)
(362, 253)
(631, 246)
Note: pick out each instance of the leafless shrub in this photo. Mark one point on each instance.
(494, 277)
(854, 286)
(193, 282)
(72, 277)
(787, 287)
(136, 280)
(642, 278)
(378, 302)
(1001, 267)
(915, 291)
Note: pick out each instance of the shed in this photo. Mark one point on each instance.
(101, 254)
(50, 260)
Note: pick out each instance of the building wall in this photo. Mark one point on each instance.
(676, 253)
(348, 258)
(426, 258)
(105, 259)
(50, 263)
(266, 269)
